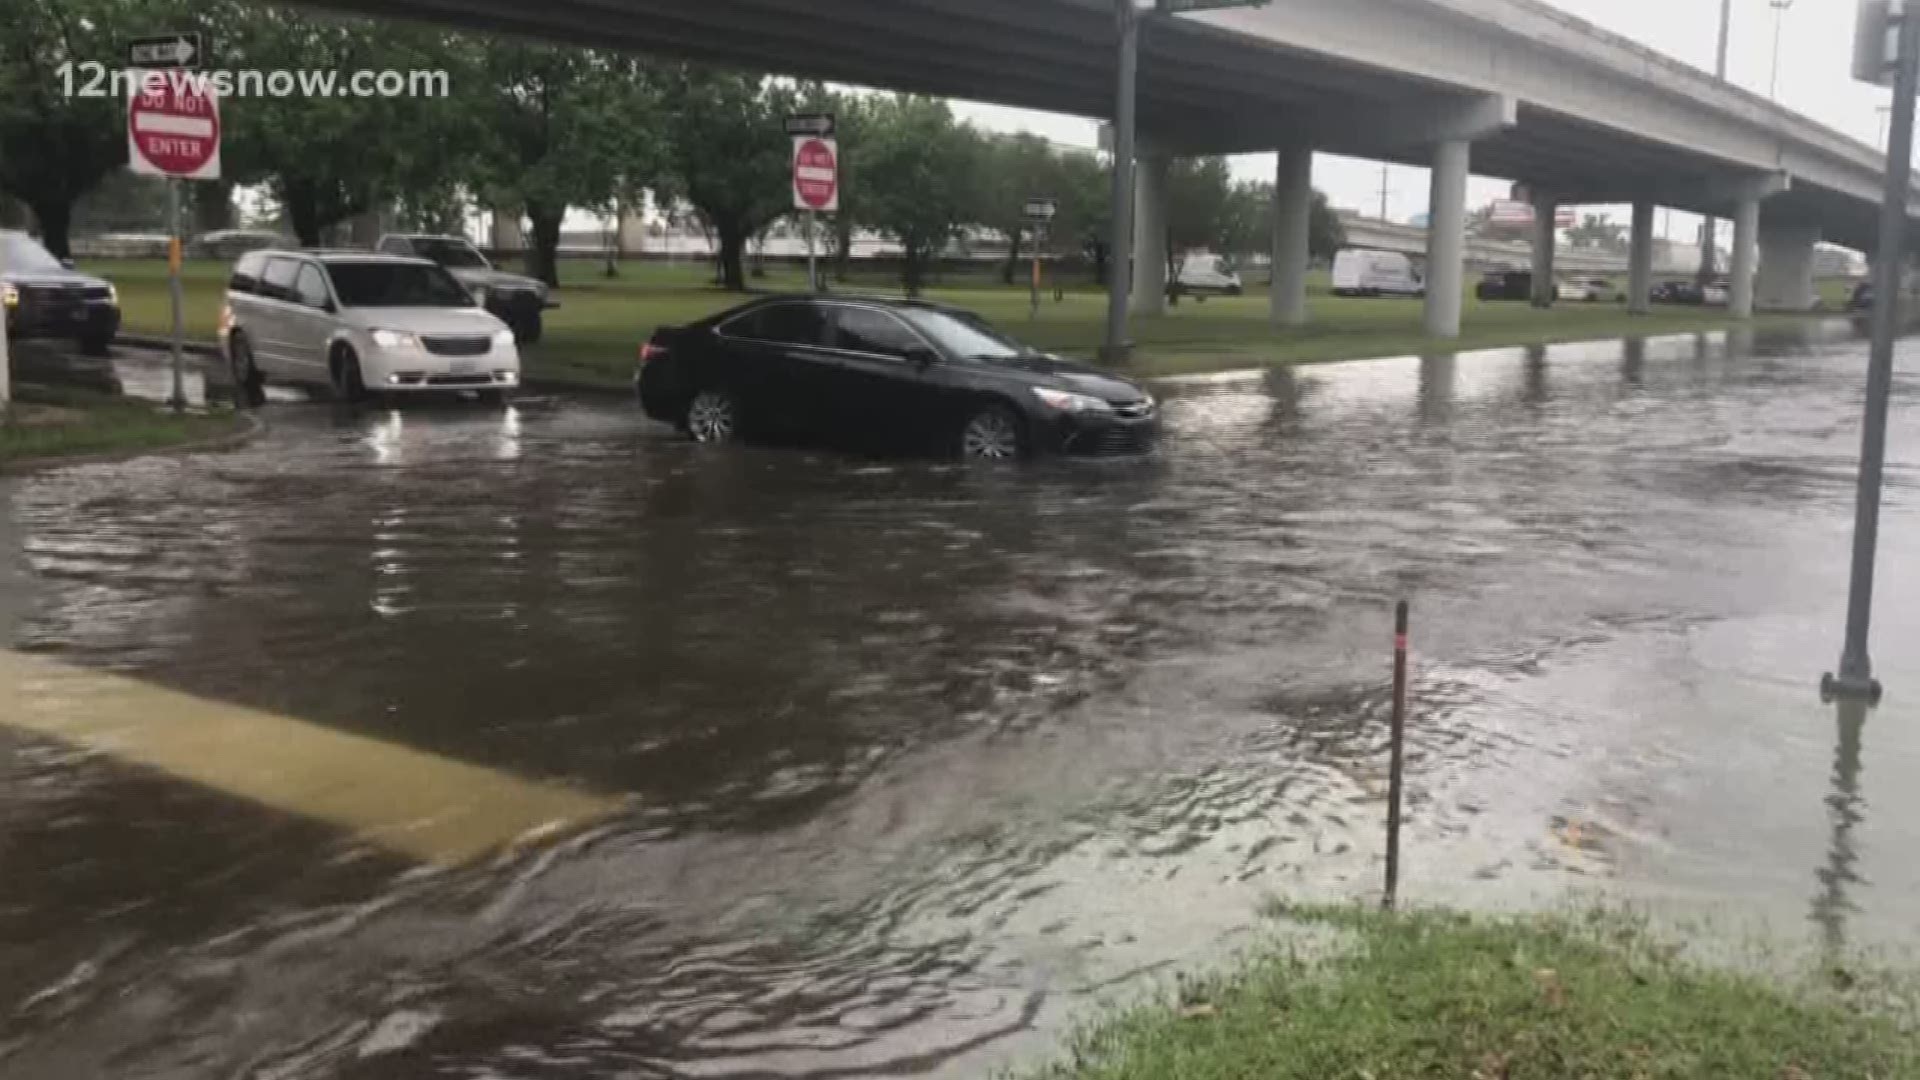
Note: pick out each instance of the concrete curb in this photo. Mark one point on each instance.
(203, 349)
(251, 428)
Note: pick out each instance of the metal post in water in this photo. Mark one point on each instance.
(6, 362)
(179, 398)
(1396, 770)
(1855, 676)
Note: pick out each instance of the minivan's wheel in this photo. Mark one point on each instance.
(348, 384)
(96, 344)
(993, 434)
(527, 327)
(713, 416)
(246, 374)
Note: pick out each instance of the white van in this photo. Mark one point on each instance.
(1358, 272)
(1206, 275)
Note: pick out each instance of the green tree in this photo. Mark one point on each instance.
(919, 165)
(325, 158)
(730, 155)
(56, 147)
(563, 127)
(1083, 193)
(1199, 194)
(1598, 230)
(1011, 170)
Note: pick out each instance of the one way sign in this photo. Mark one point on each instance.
(166, 51)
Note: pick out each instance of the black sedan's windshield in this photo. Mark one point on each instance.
(964, 336)
(454, 253)
(375, 284)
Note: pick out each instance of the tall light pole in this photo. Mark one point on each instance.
(1854, 678)
(1779, 20)
(1708, 229)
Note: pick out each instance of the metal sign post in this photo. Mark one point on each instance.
(816, 178)
(173, 131)
(1878, 28)
(1038, 212)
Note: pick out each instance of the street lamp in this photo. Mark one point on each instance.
(1708, 230)
(1779, 20)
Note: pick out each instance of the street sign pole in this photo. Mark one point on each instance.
(1855, 676)
(1034, 313)
(179, 398)
(813, 263)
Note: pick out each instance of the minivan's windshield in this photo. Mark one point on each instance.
(380, 284)
(23, 252)
(455, 253)
(969, 337)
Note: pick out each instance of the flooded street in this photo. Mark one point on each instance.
(538, 743)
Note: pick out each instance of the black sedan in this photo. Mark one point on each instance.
(1679, 292)
(46, 298)
(885, 371)
(1505, 285)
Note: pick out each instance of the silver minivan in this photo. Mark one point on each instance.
(363, 324)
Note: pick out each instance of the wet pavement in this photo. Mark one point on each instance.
(836, 766)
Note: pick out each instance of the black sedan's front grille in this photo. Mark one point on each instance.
(1114, 442)
(457, 346)
(1135, 410)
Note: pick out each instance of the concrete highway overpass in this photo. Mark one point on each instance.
(1508, 88)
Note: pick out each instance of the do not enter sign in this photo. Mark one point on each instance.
(173, 128)
(816, 174)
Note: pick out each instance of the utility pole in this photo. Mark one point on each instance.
(1709, 229)
(1120, 243)
(1779, 21)
(1854, 678)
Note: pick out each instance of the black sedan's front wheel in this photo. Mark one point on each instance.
(993, 433)
(713, 416)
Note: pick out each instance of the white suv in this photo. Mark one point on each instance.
(362, 323)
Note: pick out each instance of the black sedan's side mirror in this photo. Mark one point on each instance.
(66, 264)
(922, 356)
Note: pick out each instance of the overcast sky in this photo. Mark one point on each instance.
(1815, 56)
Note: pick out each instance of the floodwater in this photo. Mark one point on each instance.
(536, 743)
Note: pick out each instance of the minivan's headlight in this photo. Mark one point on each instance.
(9, 295)
(113, 295)
(1072, 403)
(502, 336)
(395, 339)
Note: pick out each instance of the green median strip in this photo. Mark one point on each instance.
(47, 424)
(593, 337)
(1359, 995)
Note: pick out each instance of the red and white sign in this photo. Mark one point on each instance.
(173, 128)
(816, 174)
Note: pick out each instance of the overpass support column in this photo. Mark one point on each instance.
(1746, 242)
(1150, 231)
(1786, 268)
(1545, 217)
(1447, 237)
(1640, 260)
(1292, 233)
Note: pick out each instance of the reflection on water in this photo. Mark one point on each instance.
(1840, 875)
(912, 763)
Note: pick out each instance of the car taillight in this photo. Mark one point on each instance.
(651, 352)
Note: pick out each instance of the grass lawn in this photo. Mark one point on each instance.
(1430, 994)
(594, 335)
(47, 422)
